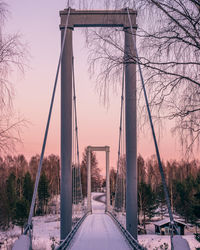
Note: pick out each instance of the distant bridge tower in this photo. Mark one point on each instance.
(89, 171)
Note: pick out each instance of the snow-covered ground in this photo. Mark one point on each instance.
(8, 237)
(152, 241)
(46, 231)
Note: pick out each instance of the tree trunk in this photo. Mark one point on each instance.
(144, 221)
(172, 198)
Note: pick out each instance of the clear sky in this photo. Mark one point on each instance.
(38, 22)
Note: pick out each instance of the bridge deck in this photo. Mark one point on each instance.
(98, 231)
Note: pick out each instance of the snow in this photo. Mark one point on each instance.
(193, 243)
(98, 232)
(23, 243)
(180, 243)
(46, 232)
(152, 241)
(98, 207)
(7, 238)
(121, 217)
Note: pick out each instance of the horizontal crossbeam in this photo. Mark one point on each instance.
(98, 18)
(97, 148)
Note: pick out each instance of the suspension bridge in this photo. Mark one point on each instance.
(79, 225)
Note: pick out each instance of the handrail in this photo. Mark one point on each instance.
(70, 236)
(132, 242)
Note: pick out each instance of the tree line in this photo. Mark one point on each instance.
(17, 183)
(18, 177)
(183, 182)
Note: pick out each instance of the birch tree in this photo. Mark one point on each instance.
(12, 57)
(169, 51)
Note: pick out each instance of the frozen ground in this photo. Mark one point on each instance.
(46, 232)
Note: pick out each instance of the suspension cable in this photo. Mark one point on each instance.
(76, 126)
(46, 130)
(120, 137)
(76, 177)
(123, 165)
(73, 162)
(173, 225)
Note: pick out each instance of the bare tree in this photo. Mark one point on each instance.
(169, 47)
(170, 50)
(12, 57)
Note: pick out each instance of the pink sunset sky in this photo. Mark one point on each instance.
(38, 22)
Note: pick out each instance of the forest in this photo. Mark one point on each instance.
(183, 183)
(18, 177)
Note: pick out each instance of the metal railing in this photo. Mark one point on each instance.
(65, 243)
(132, 242)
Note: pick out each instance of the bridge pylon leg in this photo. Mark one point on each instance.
(131, 137)
(66, 137)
